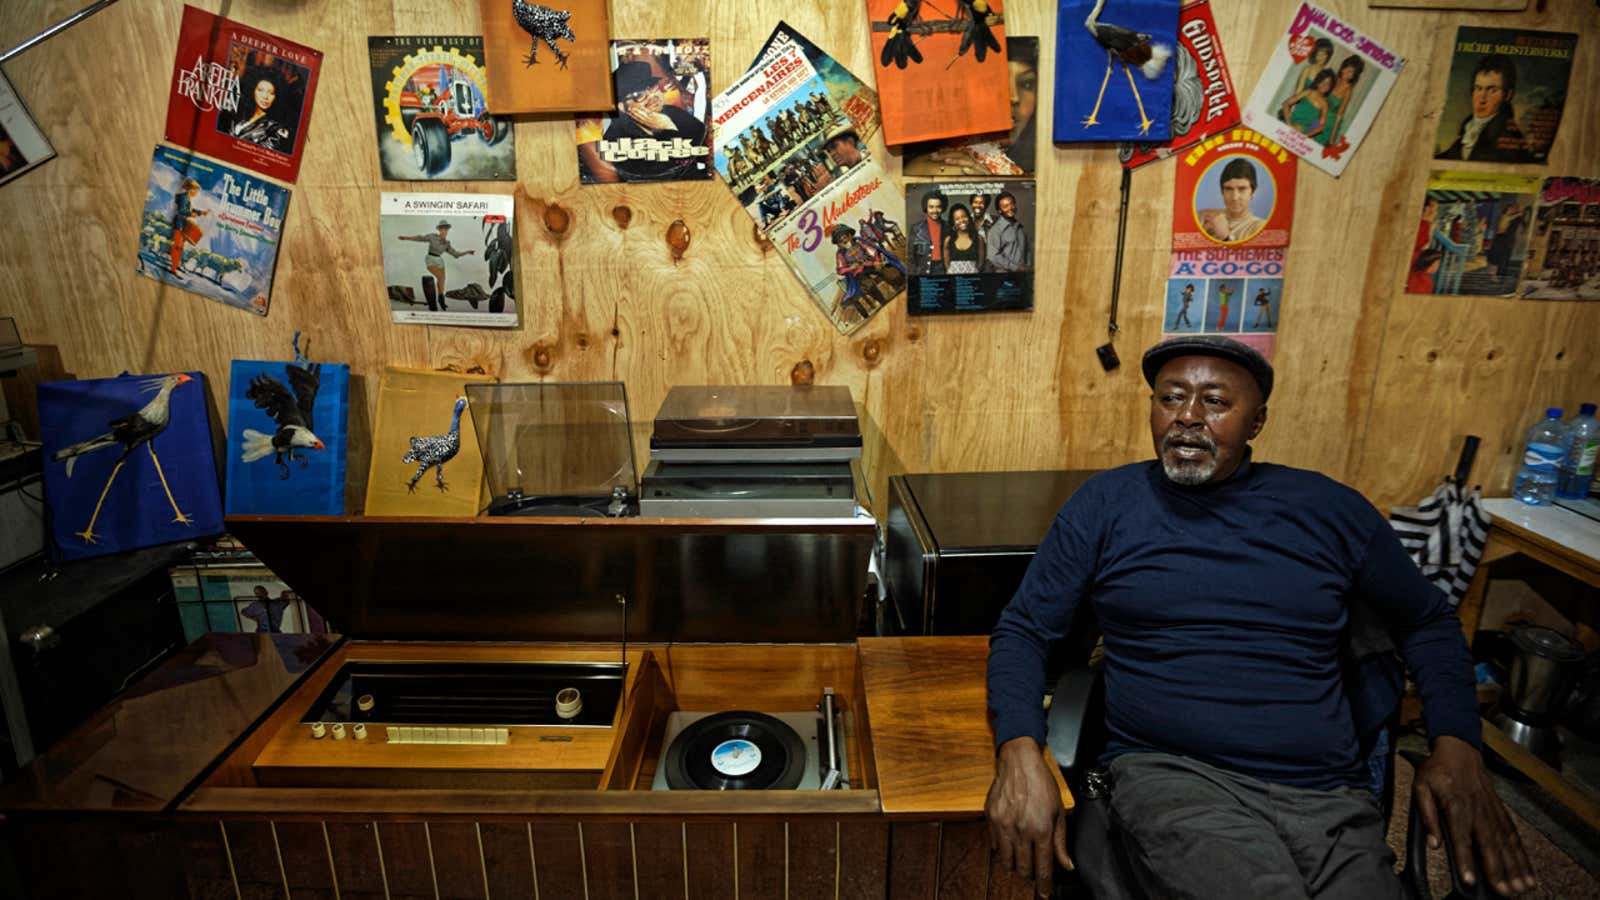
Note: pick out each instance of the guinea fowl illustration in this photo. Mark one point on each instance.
(131, 432)
(291, 411)
(437, 450)
(1132, 49)
(976, 33)
(543, 24)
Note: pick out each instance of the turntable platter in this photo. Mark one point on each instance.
(735, 750)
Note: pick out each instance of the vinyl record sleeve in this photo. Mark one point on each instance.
(449, 259)
(1005, 153)
(1563, 260)
(1472, 237)
(415, 403)
(283, 459)
(994, 273)
(241, 95)
(1125, 95)
(1203, 100)
(22, 144)
(949, 77)
(1235, 191)
(547, 57)
(661, 131)
(1524, 75)
(429, 95)
(850, 94)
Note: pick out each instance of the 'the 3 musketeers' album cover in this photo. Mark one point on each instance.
(241, 95)
(430, 98)
(659, 130)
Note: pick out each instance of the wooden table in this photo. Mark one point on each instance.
(1556, 537)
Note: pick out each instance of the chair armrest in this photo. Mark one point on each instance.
(1069, 709)
(1415, 877)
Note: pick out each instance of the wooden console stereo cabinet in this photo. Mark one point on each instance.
(217, 776)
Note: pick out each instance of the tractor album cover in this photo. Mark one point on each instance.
(128, 463)
(425, 457)
(547, 58)
(1005, 153)
(1473, 234)
(971, 246)
(1504, 98)
(286, 437)
(448, 259)
(211, 229)
(660, 129)
(429, 95)
(1564, 252)
(1203, 100)
(1114, 69)
(22, 144)
(941, 68)
(1322, 89)
(241, 95)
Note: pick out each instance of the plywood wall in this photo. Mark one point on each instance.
(1376, 388)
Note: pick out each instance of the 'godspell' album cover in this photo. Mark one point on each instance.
(448, 259)
(1114, 69)
(1504, 98)
(1203, 99)
(941, 68)
(241, 95)
(1005, 153)
(211, 229)
(547, 57)
(1564, 252)
(1322, 89)
(971, 246)
(659, 131)
(429, 96)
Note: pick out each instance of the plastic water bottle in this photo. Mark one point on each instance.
(1541, 460)
(1583, 445)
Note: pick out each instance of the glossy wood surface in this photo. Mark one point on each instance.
(928, 714)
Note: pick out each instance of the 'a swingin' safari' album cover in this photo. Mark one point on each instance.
(659, 130)
(211, 229)
(241, 95)
(448, 259)
(429, 95)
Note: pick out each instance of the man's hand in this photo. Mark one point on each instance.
(1453, 781)
(1026, 818)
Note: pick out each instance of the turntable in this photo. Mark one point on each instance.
(752, 490)
(556, 449)
(756, 423)
(743, 750)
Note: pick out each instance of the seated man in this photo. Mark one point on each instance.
(1222, 588)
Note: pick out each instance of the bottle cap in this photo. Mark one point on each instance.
(1586, 409)
(1553, 412)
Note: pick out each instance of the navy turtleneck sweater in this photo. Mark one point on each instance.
(1222, 608)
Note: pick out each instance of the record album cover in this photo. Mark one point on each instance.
(659, 131)
(1006, 153)
(448, 259)
(241, 95)
(1203, 99)
(22, 144)
(547, 57)
(799, 165)
(855, 98)
(1234, 191)
(1505, 94)
(287, 437)
(1322, 88)
(970, 246)
(1114, 69)
(1563, 261)
(429, 96)
(128, 462)
(211, 229)
(941, 68)
(425, 456)
(1473, 233)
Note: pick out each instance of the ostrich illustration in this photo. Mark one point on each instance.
(437, 450)
(136, 429)
(1131, 48)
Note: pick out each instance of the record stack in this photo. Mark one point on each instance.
(753, 451)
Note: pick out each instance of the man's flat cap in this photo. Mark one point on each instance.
(1210, 345)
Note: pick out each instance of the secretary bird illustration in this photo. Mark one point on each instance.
(543, 24)
(132, 431)
(291, 411)
(1132, 49)
(437, 450)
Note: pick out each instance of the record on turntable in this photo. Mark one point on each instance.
(741, 750)
(747, 423)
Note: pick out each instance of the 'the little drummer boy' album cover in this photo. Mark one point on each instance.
(448, 259)
(659, 129)
(941, 68)
(241, 95)
(547, 57)
(1322, 89)
(211, 229)
(429, 94)
(1505, 95)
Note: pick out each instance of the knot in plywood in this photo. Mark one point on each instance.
(557, 220)
(623, 214)
(872, 352)
(803, 373)
(678, 238)
(541, 357)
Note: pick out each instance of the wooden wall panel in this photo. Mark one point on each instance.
(508, 858)
(707, 848)
(407, 861)
(357, 865)
(307, 866)
(1391, 383)
(558, 860)
(257, 870)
